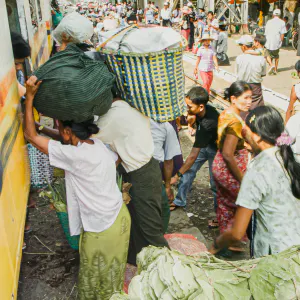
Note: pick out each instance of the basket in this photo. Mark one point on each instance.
(41, 173)
(153, 83)
(64, 221)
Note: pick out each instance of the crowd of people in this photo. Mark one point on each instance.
(253, 155)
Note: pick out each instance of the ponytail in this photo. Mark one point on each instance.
(292, 167)
(268, 123)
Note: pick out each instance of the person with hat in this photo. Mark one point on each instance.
(274, 32)
(165, 15)
(206, 62)
(251, 69)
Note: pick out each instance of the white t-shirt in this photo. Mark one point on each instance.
(274, 29)
(127, 132)
(293, 129)
(250, 68)
(165, 14)
(94, 199)
(166, 144)
(214, 33)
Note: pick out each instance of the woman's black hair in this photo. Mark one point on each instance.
(267, 122)
(198, 95)
(21, 48)
(297, 66)
(237, 89)
(82, 130)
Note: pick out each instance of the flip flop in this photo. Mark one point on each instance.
(213, 224)
(174, 206)
(237, 249)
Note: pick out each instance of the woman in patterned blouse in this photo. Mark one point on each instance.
(269, 196)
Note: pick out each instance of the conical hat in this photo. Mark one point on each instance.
(206, 36)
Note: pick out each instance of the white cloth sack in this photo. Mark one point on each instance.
(142, 40)
(74, 28)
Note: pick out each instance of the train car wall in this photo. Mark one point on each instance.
(14, 169)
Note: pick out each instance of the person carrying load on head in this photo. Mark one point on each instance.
(95, 205)
(132, 141)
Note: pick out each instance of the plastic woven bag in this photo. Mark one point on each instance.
(41, 173)
(73, 28)
(74, 86)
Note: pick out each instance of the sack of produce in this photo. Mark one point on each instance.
(166, 274)
(56, 194)
(74, 86)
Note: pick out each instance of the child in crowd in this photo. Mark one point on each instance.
(206, 62)
(259, 46)
(200, 27)
(222, 46)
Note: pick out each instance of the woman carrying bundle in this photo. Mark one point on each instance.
(270, 191)
(95, 205)
(231, 159)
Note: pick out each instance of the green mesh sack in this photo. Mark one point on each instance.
(74, 86)
(64, 221)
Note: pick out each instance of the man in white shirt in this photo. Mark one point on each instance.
(165, 15)
(251, 68)
(213, 27)
(128, 133)
(275, 30)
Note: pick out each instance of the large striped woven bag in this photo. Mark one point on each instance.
(153, 82)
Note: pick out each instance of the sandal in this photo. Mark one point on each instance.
(174, 206)
(237, 249)
(213, 224)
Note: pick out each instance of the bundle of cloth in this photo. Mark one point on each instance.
(75, 86)
(141, 40)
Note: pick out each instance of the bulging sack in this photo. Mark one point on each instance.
(74, 86)
(73, 28)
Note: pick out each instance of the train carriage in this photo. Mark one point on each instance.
(31, 18)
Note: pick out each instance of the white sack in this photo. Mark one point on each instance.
(76, 29)
(143, 40)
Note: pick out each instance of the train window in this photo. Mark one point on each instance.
(34, 20)
(39, 10)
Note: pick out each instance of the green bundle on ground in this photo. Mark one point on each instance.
(166, 274)
(57, 197)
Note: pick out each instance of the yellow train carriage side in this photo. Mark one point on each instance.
(14, 173)
(14, 168)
